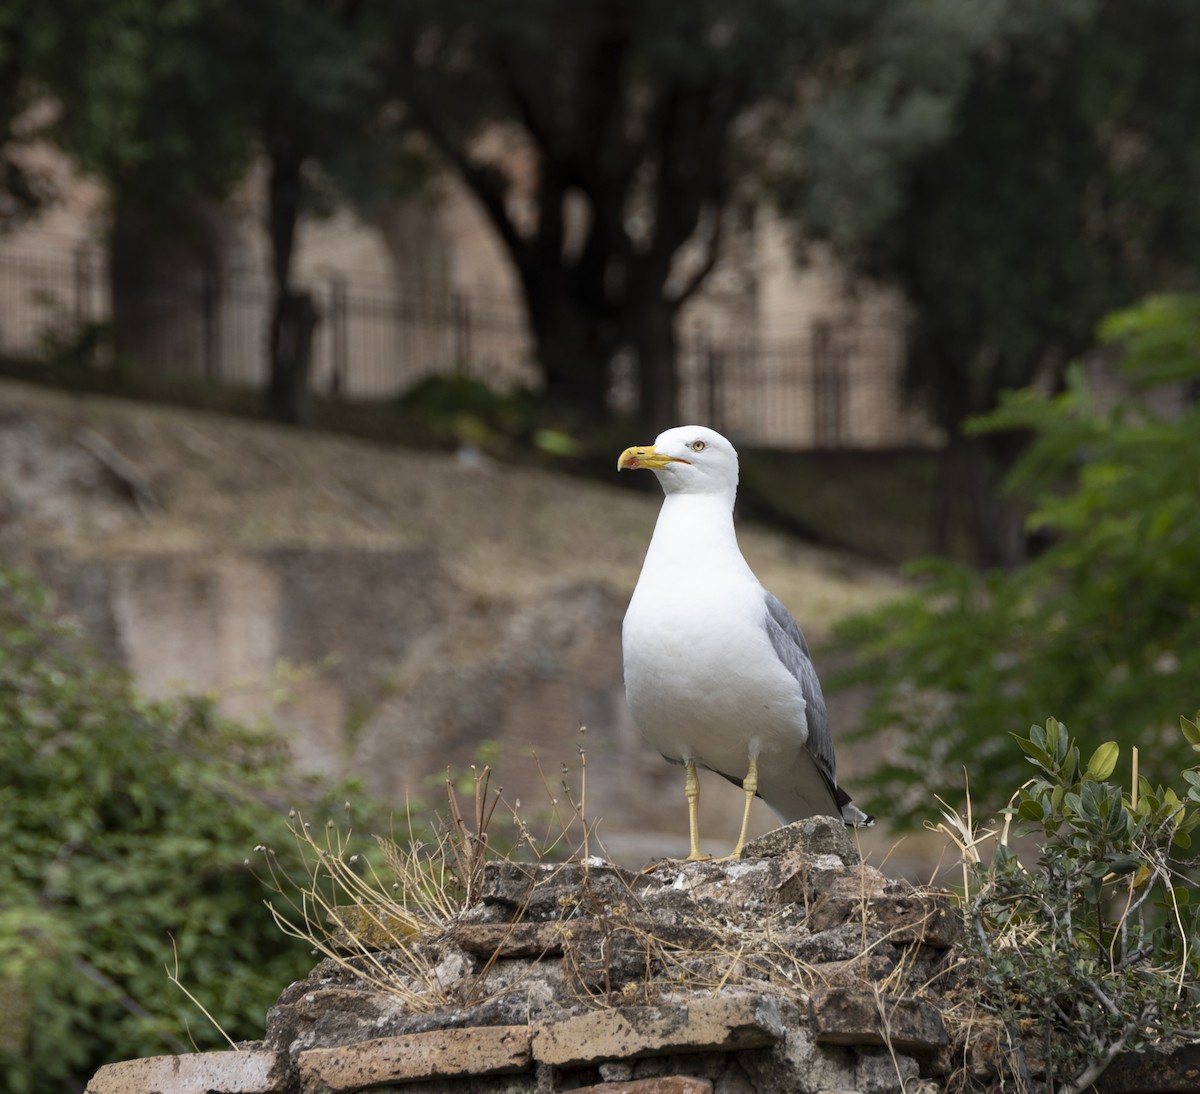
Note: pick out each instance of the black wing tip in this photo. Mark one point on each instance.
(851, 814)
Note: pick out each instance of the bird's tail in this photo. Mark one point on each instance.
(851, 813)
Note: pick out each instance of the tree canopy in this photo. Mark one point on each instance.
(1057, 185)
(1101, 628)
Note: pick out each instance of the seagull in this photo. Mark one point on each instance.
(717, 672)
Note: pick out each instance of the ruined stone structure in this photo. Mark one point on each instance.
(796, 968)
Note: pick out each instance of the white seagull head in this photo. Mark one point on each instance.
(689, 459)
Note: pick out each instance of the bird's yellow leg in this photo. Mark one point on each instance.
(750, 785)
(691, 788)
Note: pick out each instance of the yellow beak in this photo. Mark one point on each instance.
(643, 455)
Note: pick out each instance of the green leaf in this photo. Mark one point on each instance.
(1102, 761)
(1031, 809)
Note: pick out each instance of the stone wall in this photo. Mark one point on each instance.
(796, 968)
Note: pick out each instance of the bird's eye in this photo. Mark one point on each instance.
(697, 446)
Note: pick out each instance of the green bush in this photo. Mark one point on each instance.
(125, 826)
(1105, 622)
(1094, 949)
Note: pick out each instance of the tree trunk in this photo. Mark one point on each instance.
(971, 498)
(575, 350)
(294, 316)
(294, 320)
(160, 276)
(652, 328)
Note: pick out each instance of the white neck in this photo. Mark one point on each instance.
(692, 526)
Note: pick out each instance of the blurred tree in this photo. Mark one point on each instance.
(142, 110)
(312, 97)
(27, 38)
(1102, 627)
(171, 102)
(1058, 184)
(607, 143)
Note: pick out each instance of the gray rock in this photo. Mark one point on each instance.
(558, 892)
(814, 836)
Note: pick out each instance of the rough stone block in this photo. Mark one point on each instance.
(249, 1071)
(443, 1054)
(1158, 1070)
(909, 918)
(813, 836)
(727, 1022)
(662, 1084)
(332, 1016)
(882, 1071)
(509, 940)
(800, 1063)
(848, 1016)
(553, 892)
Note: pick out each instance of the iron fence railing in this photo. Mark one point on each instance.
(831, 385)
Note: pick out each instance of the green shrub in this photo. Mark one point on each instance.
(1094, 950)
(1105, 622)
(125, 826)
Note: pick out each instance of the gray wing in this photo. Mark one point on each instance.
(788, 641)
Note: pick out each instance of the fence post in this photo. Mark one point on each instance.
(712, 358)
(83, 286)
(828, 384)
(339, 336)
(210, 317)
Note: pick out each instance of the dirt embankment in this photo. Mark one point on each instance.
(391, 609)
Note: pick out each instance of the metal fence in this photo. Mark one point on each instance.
(832, 385)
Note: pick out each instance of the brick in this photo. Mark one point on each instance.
(660, 1084)
(444, 1054)
(249, 1071)
(849, 1016)
(724, 1023)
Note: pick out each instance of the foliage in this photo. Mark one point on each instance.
(125, 826)
(1095, 950)
(467, 411)
(1037, 173)
(140, 106)
(28, 38)
(1049, 149)
(1104, 622)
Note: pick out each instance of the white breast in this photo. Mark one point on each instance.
(702, 679)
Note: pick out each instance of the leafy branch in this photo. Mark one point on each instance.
(1094, 946)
